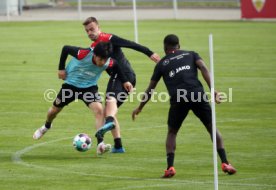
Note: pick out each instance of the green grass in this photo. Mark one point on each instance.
(244, 57)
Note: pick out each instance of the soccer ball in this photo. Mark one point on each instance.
(82, 142)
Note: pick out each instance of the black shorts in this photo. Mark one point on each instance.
(179, 110)
(116, 89)
(69, 93)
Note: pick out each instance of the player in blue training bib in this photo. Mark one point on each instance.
(80, 77)
(81, 73)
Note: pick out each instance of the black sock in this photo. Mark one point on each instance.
(118, 143)
(48, 124)
(99, 139)
(170, 160)
(109, 119)
(222, 155)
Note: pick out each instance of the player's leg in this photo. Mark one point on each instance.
(118, 145)
(110, 120)
(111, 123)
(116, 131)
(97, 109)
(51, 114)
(121, 95)
(92, 99)
(176, 116)
(225, 165)
(111, 110)
(57, 107)
(203, 111)
(115, 96)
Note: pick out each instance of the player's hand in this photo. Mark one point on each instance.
(62, 74)
(128, 86)
(155, 57)
(217, 97)
(135, 113)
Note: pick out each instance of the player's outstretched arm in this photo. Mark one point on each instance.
(206, 75)
(146, 97)
(121, 42)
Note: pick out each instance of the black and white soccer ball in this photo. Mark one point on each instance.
(82, 142)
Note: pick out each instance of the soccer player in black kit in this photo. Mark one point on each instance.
(179, 71)
(115, 92)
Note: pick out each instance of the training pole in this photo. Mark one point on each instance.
(8, 10)
(175, 9)
(135, 20)
(80, 9)
(214, 128)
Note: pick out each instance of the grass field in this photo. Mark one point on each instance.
(244, 57)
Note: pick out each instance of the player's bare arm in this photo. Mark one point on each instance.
(146, 97)
(206, 75)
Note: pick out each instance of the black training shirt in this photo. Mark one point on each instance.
(179, 71)
(118, 43)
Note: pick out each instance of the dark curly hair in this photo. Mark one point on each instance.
(103, 50)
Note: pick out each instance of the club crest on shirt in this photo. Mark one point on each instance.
(166, 62)
(172, 73)
(258, 4)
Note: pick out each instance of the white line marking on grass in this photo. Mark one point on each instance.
(16, 158)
